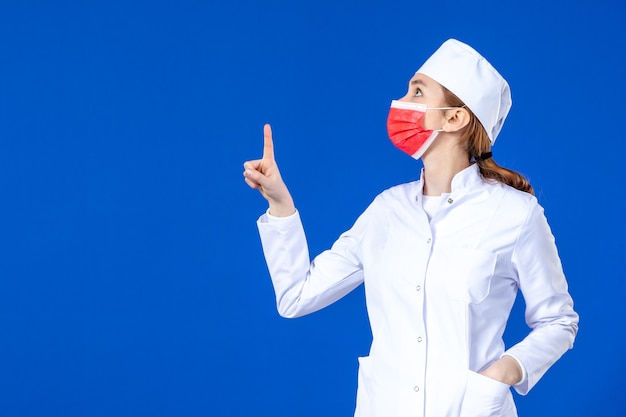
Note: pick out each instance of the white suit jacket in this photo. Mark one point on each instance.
(438, 294)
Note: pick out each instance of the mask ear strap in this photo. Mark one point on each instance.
(445, 108)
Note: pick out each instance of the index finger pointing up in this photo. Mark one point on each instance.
(268, 144)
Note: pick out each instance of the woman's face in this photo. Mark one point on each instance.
(425, 90)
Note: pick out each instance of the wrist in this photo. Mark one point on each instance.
(283, 209)
(506, 370)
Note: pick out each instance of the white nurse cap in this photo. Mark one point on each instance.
(468, 75)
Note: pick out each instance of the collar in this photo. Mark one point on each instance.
(462, 180)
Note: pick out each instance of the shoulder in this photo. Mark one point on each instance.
(510, 196)
(397, 199)
(516, 204)
(516, 196)
(401, 193)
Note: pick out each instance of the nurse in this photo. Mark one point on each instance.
(442, 258)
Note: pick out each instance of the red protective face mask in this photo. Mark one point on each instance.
(404, 126)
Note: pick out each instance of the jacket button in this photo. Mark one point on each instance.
(450, 201)
(419, 287)
(429, 240)
(416, 388)
(419, 339)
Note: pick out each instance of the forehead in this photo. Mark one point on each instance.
(423, 81)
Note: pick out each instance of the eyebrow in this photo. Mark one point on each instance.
(418, 81)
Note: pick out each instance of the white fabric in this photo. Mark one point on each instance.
(431, 204)
(438, 294)
(463, 71)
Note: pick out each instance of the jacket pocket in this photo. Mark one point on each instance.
(369, 397)
(468, 273)
(484, 397)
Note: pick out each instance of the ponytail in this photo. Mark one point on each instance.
(478, 143)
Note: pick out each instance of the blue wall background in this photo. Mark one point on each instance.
(132, 277)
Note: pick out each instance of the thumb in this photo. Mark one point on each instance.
(254, 175)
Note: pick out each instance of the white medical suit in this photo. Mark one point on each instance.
(438, 294)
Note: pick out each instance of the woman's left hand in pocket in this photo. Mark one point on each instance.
(506, 370)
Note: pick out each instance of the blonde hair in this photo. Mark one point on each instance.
(478, 143)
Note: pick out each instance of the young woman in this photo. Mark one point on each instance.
(441, 258)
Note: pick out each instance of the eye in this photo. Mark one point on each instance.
(418, 93)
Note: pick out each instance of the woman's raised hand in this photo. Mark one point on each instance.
(263, 175)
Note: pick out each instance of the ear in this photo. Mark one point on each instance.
(456, 119)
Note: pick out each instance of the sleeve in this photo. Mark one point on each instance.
(302, 286)
(549, 306)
